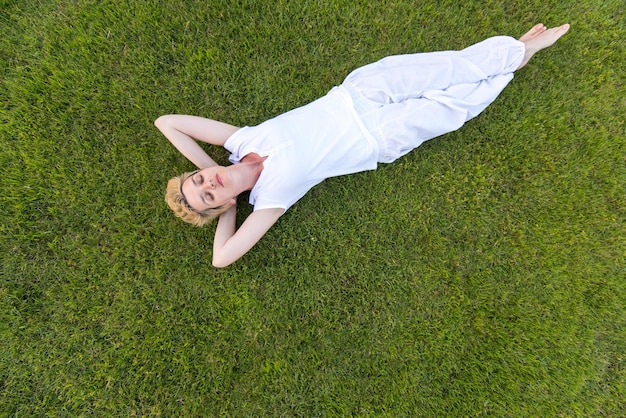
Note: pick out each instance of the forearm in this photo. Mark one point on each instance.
(185, 144)
(226, 227)
(230, 244)
(189, 148)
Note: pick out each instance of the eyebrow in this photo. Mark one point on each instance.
(193, 180)
(202, 197)
(185, 197)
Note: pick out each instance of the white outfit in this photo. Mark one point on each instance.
(380, 112)
(303, 147)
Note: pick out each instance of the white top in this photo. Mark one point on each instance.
(304, 146)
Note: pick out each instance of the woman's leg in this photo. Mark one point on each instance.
(436, 93)
(401, 77)
(401, 127)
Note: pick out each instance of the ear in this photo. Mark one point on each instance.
(233, 202)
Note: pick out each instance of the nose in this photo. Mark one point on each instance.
(208, 183)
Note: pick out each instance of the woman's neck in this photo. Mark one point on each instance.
(253, 165)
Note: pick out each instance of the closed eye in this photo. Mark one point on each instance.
(206, 197)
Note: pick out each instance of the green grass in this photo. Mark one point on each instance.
(481, 275)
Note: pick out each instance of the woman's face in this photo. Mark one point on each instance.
(208, 188)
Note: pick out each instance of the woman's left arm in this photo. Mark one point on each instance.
(183, 131)
(230, 244)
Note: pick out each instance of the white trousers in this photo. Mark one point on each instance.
(404, 100)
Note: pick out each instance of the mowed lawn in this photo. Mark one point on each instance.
(483, 274)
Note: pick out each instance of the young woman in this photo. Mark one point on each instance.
(380, 112)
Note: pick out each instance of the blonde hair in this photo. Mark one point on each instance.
(178, 203)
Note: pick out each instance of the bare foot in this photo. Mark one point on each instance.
(539, 38)
(534, 31)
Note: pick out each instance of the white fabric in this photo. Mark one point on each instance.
(380, 112)
(305, 146)
(405, 100)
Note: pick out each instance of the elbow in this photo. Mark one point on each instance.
(220, 263)
(161, 121)
(165, 121)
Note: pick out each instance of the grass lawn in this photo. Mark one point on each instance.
(484, 274)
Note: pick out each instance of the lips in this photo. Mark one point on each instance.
(219, 180)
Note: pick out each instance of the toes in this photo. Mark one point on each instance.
(534, 31)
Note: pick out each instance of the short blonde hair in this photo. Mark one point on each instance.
(178, 203)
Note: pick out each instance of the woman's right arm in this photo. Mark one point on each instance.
(231, 243)
(183, 131)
